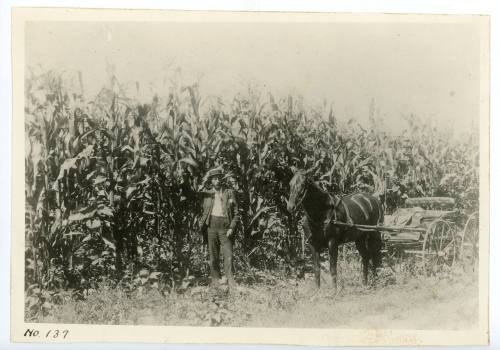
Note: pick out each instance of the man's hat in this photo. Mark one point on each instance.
(218, 171)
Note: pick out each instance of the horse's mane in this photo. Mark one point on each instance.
(331, 194)
(335, 198)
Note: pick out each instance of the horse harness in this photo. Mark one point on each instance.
(332, 218)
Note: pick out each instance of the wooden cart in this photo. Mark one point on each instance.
(435, 236)
(428, 228)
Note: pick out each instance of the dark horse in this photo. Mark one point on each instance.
(322, 209)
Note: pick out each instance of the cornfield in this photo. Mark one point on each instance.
(110, 182)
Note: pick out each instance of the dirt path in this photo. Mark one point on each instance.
(420, 304)
(447, 302)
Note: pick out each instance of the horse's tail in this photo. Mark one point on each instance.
(377, 253)
(377, 237)
(379, 199)
(381, 210)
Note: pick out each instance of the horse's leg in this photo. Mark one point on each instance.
(333, 249)
(374, 247)
(316, 267)
(365, 257)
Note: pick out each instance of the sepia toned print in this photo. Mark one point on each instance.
(308, 179)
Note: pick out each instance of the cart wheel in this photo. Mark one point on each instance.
(469, 247)
(439, 248)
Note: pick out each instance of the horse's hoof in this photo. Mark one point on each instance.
(370, 286)
(315, 295)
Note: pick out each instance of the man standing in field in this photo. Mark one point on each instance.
(220, 217)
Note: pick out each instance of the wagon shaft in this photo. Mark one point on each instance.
(377, 228)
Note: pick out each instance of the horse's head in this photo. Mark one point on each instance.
(298, 188)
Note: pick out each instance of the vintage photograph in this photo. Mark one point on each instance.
(251, 171)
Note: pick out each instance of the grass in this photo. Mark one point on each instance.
(401, 299)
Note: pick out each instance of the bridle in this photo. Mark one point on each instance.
(303, 195)
(332, 218)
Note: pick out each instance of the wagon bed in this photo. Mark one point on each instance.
(432, 238)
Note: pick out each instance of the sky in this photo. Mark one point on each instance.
(427, 69)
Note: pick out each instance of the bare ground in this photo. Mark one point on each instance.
(420, 304)
(444, 301)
